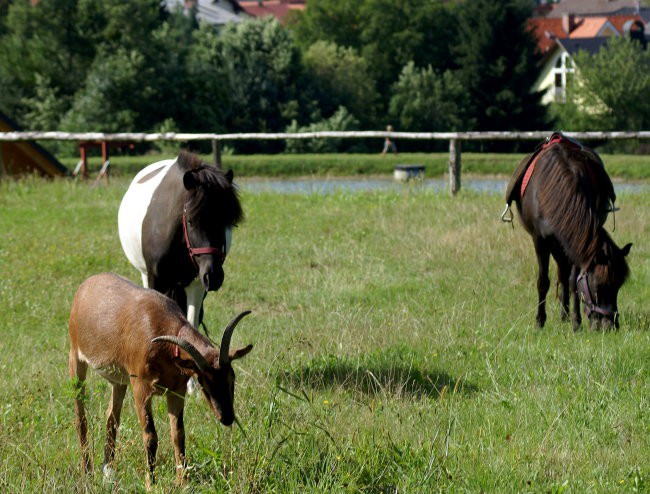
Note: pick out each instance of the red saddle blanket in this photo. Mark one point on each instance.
(523, 172)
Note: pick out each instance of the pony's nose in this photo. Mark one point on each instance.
(212, 279)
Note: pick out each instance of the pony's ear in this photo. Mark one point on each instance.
(229, 175)
(189, 180)
(626, 250)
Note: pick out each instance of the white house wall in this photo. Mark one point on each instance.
(546, 80)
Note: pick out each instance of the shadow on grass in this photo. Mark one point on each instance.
(390, 372)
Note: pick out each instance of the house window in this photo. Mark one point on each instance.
(563, 67)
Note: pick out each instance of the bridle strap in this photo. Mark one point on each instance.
(590, 306)
(195, 251)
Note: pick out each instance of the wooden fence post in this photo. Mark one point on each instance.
(216, 151)
(454, 166)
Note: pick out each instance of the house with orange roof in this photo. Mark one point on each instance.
(559, 38)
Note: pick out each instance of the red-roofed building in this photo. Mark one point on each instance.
(559, 37)
(279, 9)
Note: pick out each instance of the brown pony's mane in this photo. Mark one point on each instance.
(215, 192)
(575, 195)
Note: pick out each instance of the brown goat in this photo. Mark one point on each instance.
(132, 334)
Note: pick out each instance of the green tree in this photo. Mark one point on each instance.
(497, 64)
(386, 33)
(336, 21)
(262, 64)
(112, 95)
(610, 89)
(395, 32)
(341, 120)
(52, 52)
(340, 77)
(45, 40)
(425, 101)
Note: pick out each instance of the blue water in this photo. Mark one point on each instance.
(360, 184)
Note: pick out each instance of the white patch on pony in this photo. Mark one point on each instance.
(195, 292)
(133, 209)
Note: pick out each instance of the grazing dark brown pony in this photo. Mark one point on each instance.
(563, 196)
(175, 223)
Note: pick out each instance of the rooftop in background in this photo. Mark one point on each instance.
(574, 26)
(216, 12)
(276, 8)
(598, 7)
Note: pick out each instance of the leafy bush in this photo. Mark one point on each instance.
(342, 120)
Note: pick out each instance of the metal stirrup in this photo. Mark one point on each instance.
(504, 218)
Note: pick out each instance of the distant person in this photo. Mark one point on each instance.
(388, 144)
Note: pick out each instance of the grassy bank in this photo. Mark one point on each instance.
(282, 165)
(395, 351)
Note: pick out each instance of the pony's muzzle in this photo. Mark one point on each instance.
(212, 279)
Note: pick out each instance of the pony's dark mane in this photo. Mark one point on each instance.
(215, 191)
(574, 196)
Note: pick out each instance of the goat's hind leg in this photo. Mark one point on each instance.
(142, 394)
(78, 370)
(112, 424)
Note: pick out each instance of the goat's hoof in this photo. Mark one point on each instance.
(108, 475)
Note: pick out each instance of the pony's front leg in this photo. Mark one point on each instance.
(543, 282)
(195, 293)
(564, 274)
(576, 317)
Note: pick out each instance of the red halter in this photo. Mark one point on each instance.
(590, 305)
(194, 251)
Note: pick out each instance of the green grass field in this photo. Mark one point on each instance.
(395, 351)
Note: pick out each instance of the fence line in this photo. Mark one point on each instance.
(454, 139)
(177, 136)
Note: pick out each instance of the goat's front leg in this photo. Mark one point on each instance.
(175, 405)
(142, 394)
(112, 424)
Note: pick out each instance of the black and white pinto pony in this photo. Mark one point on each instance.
(175, 225)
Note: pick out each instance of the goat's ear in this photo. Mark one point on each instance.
(229, 175)
(240, 352)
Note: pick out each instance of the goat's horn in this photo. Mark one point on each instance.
(224, 358)
(199, 359)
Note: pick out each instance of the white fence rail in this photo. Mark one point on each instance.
(177, 136)
(454, 138)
